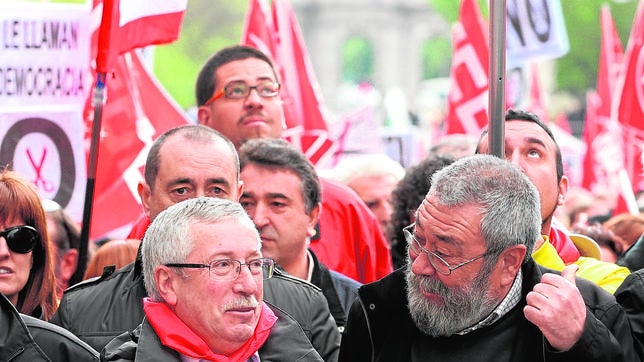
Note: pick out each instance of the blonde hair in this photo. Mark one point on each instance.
(115, 252)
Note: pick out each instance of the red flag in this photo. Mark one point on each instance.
(468, 94)
(537, 104)
(626, 201)
(280, 37)
(602, 135)
(133, 24)
(259, 31)
(137, 111)
(628, 105)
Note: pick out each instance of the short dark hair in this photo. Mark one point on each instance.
(276, 153)
(205, 86)
(191, 132)
(520, 115)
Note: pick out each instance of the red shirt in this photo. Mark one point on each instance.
(350, 241)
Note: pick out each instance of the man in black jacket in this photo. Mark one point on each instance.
(471, 291)
(185, 162)
(28, 339)
(282, 194)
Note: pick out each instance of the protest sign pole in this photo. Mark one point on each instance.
(496, 104)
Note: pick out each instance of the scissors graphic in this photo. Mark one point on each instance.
(40, 181)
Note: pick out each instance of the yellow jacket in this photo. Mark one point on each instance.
(608, 276)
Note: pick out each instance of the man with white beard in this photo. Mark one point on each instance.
(471, 291)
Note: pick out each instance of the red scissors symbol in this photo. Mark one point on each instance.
(40, 180)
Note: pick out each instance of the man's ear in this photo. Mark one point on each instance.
(166, 281)
(314, 217)
(145, 194)
(509, 264)
(68, 263)
(563, 191)
(203, 115)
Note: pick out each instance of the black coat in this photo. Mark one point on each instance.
(24, 338)
(380, 328)
(286, 342)
(630, 295)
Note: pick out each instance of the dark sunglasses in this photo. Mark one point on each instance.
(21, 239)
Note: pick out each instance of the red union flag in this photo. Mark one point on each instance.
(602, 135)
(280, 37)
(467, 100)
(133, 24)
(137, 111)
(628, 105)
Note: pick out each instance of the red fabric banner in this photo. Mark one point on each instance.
(601, 135)
(280, 37)
(137, 111)
(467, 101)
(133, 24)
(628, 105)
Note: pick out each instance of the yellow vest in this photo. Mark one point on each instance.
(608, 276)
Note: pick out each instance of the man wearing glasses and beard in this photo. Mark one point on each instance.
(472, 292)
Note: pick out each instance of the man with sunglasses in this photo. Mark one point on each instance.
(238, 94)
(203, 270)
(471, 291)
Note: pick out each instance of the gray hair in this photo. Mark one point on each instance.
(507, 199)
(167, 239)
(367, 165)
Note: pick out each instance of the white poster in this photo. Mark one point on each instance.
(44, 82)
(535, 30)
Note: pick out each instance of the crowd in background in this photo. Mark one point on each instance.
(451, 257)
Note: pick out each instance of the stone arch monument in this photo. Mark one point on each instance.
(396, 29)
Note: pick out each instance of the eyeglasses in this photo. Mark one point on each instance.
(21, 239)
(436, 261)
(229, 269)
(239, 90)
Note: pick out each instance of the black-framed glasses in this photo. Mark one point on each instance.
(438, 263)
(229, 269)
(239, 90)
(21, 239)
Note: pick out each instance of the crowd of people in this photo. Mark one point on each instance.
(245, 252)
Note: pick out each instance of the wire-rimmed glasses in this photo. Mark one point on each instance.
(438, 263)
(229, 269)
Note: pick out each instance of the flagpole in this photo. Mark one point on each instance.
(496, 104)
(97, 100)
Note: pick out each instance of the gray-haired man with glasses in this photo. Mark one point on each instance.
(472, 292)
(203, 271)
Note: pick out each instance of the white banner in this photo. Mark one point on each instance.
(535, 30)
(44, 82)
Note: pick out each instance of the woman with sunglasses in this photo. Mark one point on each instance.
(26, 269)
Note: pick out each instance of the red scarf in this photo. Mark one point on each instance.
(175, 334)
(564, 245)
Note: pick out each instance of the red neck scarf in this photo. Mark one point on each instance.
(565, 247)
(175, 334)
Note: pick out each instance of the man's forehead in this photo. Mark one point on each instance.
(242, 69)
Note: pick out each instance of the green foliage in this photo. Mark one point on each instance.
(207, 27)
(357, 60)
(577, 70)
(436, 58)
